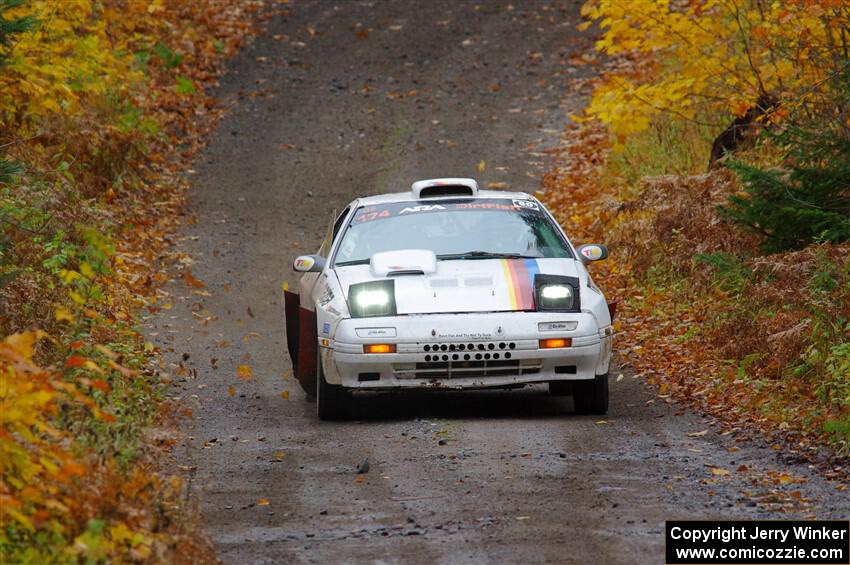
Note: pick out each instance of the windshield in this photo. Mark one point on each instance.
(456, 229)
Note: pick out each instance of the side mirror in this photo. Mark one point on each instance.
(309, 264)
(592, 252)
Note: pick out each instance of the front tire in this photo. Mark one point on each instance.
(333, 402)
(591, 396)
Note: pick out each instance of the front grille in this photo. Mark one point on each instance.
(468, 346)
(477, 356)
(468, 351)
(461, 369)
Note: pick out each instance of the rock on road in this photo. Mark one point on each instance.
(344, 98)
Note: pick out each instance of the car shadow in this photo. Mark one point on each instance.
(529, 402)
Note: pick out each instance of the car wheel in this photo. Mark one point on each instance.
(560, 388)
(333, 402)
(591, 396)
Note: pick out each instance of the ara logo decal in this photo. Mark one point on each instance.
(422, 208)
(527, 204)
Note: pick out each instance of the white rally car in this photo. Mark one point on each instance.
(448, 286)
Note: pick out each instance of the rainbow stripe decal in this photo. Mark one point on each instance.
(519, 276)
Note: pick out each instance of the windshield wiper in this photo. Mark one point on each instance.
(349, 263)
(483, 255)
(464, 255)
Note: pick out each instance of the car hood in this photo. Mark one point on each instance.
(479, 285)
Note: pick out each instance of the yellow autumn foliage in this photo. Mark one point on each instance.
(77, 50)
(707, 57)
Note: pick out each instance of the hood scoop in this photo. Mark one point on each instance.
(403, 262)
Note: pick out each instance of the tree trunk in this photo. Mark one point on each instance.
(742, 132)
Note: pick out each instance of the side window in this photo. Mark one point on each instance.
(333, 231)
(338, 223)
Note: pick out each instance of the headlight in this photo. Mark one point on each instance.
(557, 293)
(372, 299)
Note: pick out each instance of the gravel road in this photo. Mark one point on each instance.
(344, 98)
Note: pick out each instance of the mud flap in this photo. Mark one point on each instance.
(307, 351)
(291, 305)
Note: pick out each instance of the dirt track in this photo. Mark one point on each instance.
(348, 98)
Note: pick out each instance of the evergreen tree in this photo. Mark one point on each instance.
(808, 199)
(10, 27)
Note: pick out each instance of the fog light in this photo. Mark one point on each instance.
(555, 342)
(379, 348)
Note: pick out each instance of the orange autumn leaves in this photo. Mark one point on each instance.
(37, 460)
(111, 88)
(750, 354)
(244, 372)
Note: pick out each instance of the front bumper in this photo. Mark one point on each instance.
(464, 351)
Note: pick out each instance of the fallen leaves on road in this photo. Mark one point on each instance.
(244, 372)
(190, 280)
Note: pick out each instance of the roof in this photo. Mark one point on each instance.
(409, 197)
